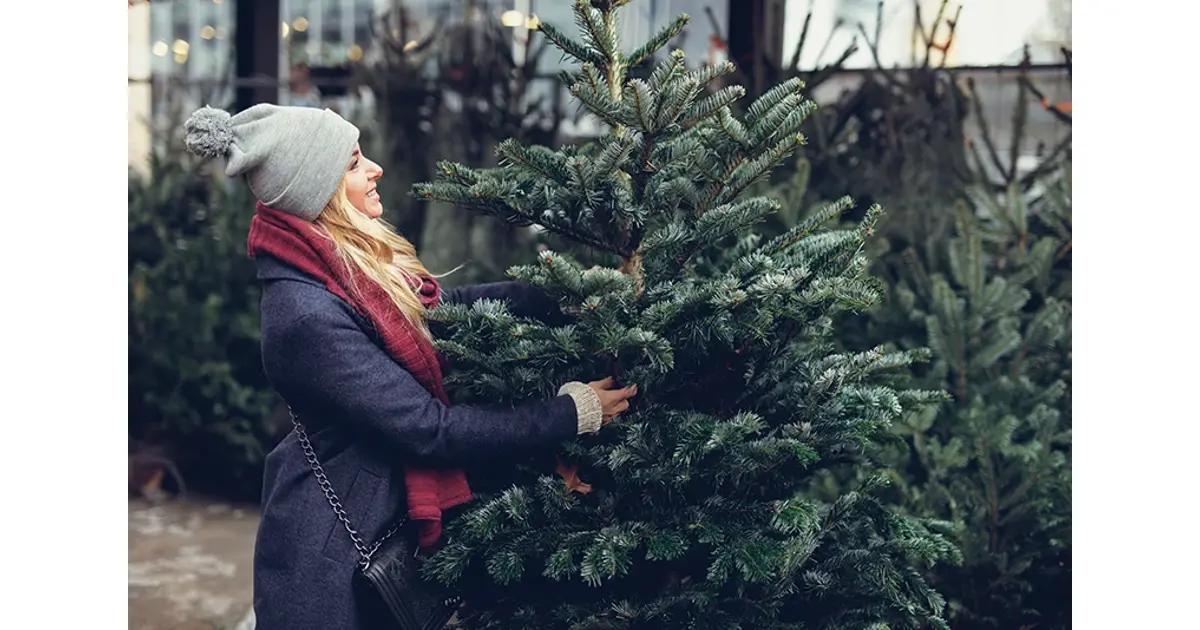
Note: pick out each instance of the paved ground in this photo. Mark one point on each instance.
(189, 565)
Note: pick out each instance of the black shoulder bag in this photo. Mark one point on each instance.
(388, 587)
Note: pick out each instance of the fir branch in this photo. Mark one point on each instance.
(749, 173)
(600, 105)
(705, 74)
(803, 229)
(782, 120)
(643, 102)
(610, 159)
(591, 23)
(733, 128)
(537, 159)
(591, 77)
(773, 97)
(667, 70)
(712, 104)
(660, 39)
(671, 107)
(568, 46)
(457, 174)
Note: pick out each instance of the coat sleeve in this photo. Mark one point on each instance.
(524, 299)
(325, 360)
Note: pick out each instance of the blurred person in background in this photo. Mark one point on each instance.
(301, 91)
(346, 343)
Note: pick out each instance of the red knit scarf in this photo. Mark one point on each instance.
(297, 243)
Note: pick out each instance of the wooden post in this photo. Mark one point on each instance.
(256, 45)
(755, 36)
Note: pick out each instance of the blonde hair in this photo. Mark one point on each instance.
(372, 247)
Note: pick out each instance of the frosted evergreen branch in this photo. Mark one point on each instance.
(720, 180)
(674, 104)
(599, 103)
(773, 97)
(705, 74)
(591, 23)
(639, 93)
(458, 174)
(568, 46)
(468, 197)
(592, 78)
(671, 193)
(808, 226)
(783, 120)
(712, 104)
(772, 117)
(866, 226)
(611, 157)
(584, 238)
(540, 160)
(733, 128)
(641, 176)
(667, 70)
(749, 173)
(714, 225)
(679, 244)
(660, 39)
(505, 211)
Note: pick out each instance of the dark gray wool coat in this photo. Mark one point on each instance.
(366, 417)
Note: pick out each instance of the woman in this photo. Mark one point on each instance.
(345, 343)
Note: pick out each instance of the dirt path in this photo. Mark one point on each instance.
(190, 565)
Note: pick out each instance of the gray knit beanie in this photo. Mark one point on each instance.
(294, 158)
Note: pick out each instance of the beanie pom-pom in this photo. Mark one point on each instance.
(209, 132)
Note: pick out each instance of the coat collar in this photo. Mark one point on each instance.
(271, 268)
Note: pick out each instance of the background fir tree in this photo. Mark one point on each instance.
(691, 509)
(197, 393)
(451, 90)
(994, 305)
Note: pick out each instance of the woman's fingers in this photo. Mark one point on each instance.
(605, 383)
(615, 401)
(612, 401)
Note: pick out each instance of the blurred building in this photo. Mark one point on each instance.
(139, 109)
(184, 53)
(987, 32)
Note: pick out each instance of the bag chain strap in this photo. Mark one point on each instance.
(364, 551)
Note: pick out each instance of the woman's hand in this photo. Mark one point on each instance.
(612, 401)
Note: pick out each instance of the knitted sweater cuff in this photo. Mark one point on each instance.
(587, 405)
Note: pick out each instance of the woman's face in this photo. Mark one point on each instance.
(361, 176)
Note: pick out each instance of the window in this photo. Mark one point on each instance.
(331, 27)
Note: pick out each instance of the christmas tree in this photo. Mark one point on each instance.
(692, 509)
(993, 303)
